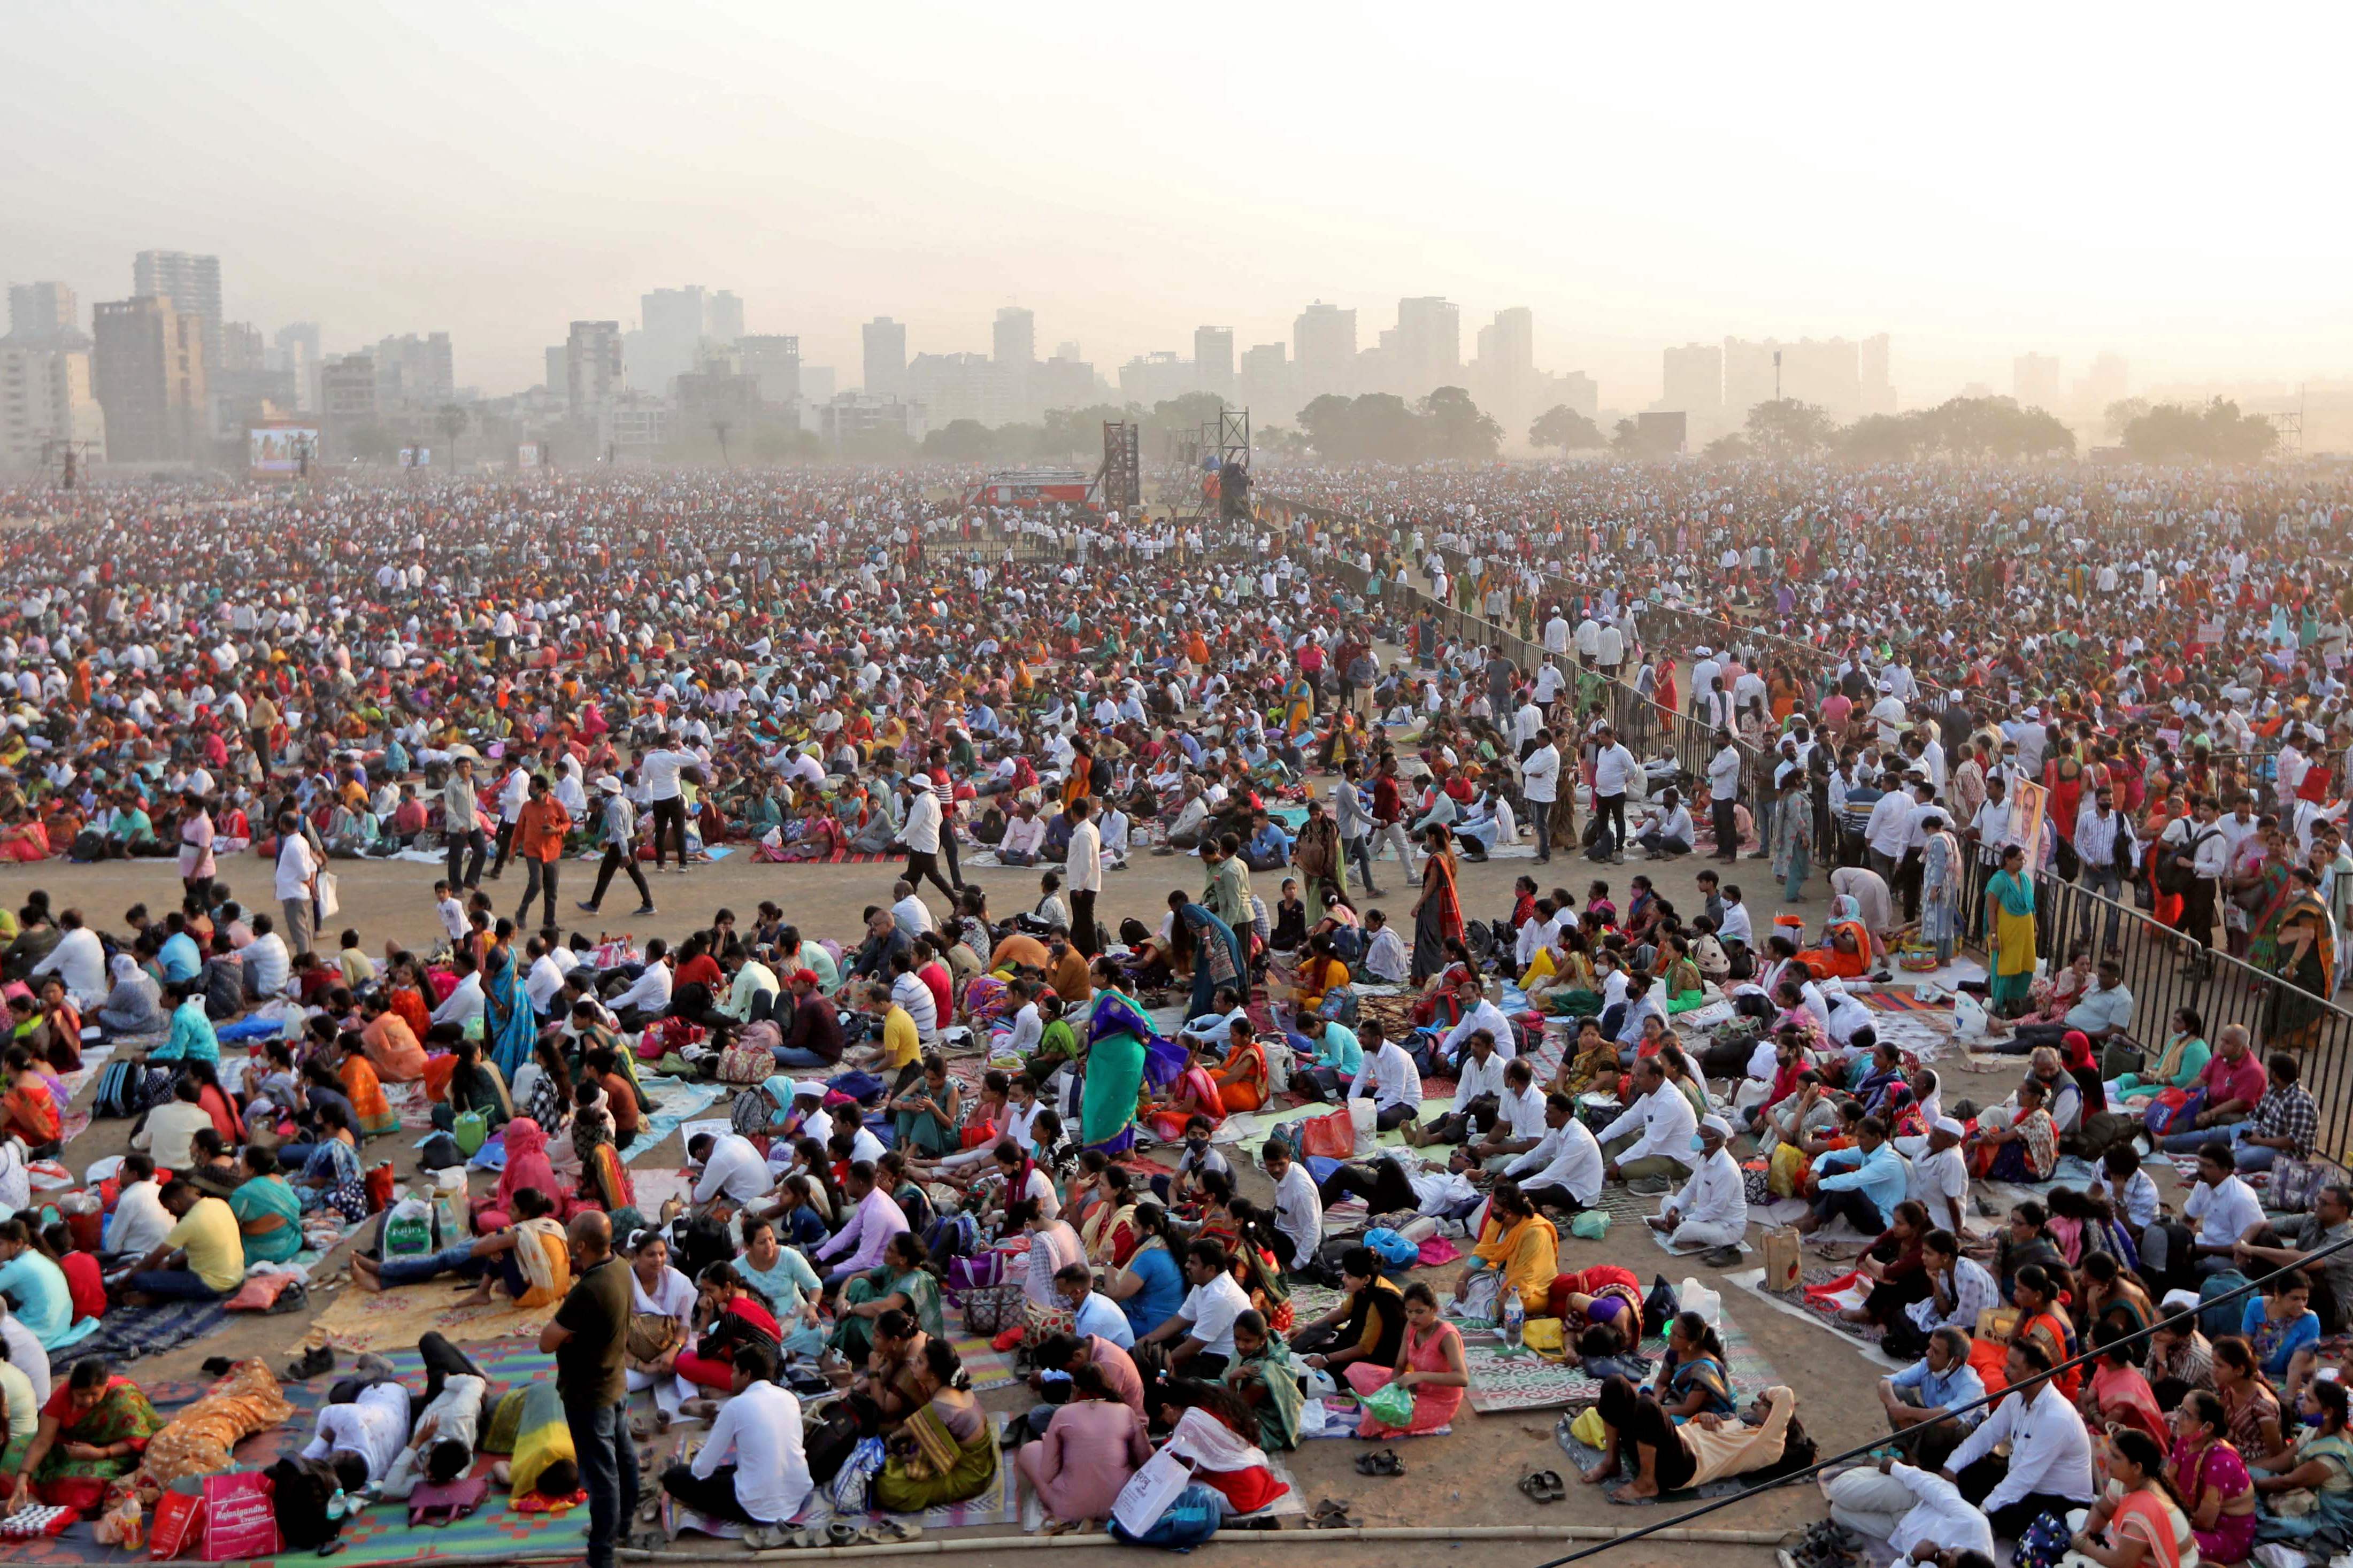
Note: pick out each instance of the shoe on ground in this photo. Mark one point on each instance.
(585, 909)
(1650, 1186)
(645, 909)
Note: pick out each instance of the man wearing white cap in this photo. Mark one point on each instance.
(1711, 1210)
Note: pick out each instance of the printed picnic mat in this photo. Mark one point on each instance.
(381, 1535)
(1502, 1382)
(394, 1320)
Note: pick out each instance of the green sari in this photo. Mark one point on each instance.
(2010, 932)
(1113, 1074)
(2272, 885)
(255, 1203)
(121, 1416)
(853, 1335)
(1278, 1413)
(932, 1468)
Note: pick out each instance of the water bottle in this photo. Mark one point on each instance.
(1515, 1316)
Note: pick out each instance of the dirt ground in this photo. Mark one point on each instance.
(1466, 1480)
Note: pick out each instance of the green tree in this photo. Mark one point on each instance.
(1878, 438)
(1786, 427)
(960, 441)
(1563, 426)
(451, 421)
(1729, 449)
(2118, 415)
(1456, 426)
(2218, 433)
(1076, 431)
(1626, 436)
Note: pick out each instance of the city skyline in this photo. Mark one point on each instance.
(487, 182)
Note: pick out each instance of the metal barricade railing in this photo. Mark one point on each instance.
(2166, 971)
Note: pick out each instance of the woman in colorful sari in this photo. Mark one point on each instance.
(1192, 1093)
(358, 1075)
(2117, 1391)
(1266, 1377)
(330, 1177)
(1218, 957)
(1242, 1079)
(1693, 1379)
(2135, 1523)
(946, 1451)
(1111, 1074)
(2178, 1066)
(2307, 1490)
(2009, 933)
(509, 1026)
(92, 1432)
(1940, 886)
(1053, 1247)
(2210, 1479)
(2026, 1150)
(904, 1281)
(1429, 1363)
(269, 1212)
(1438, 913)
(527, 1166)
(730, 1313)
(1109, 1231)
(604, 1179)
(473, 1086)
(2305, 954)
(2263, 889)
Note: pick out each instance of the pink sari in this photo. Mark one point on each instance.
(1434, 1404)
(1168, 1126)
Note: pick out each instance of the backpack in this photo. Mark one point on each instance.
(2175, 861)
(119, 1085)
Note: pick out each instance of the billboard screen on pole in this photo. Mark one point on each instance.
(278, 448)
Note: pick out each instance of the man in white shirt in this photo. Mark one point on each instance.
(1540, 783)
(1939, 1177)
(751, 1469)
(1298, 1208)
(374, 1426)
(465, 1002)
(658, 771)
(1202, 1327)
(1724, 771)
(1711, 1210)
(140, 1222)
(1564, 1169)
(2224, 1208)
(1615, 772)
(1478, 1014)
(731, 1169)
(2049, 1465)
(921, 831)
(1479, 1085)
(297, 884)
(1918, 1512)
(79, 960)
(1083, 871)
(1389, 1074)
(266, 962)
(909, 912)
(1652, 1142)
(647, 997)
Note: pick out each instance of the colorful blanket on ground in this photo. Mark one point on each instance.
(1525, 1381)
(392, 1320)
(127, 1333)
(676, 1103)
(381, 1535)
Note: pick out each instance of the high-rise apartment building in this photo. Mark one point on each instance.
(149, 373)
(1694, 380)
(1065, 380)
(347, 395)
(1429, 345)
(46, 401)
(559, 372)
(241, 347)
(886, 357)
(723, 317)
(2034, 381)
(1507, 346)
(193, 284)
(1266, 383)
(2106, 382)
(669, 334)
(1013, 338)
(775, 360)
(1323, 351)
(413, 372)
(958, 387)
(45, 315)
(1213, 359)
(592, 367)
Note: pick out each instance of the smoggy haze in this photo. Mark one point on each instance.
(2063, 180)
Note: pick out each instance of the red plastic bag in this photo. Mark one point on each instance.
(239, 1521)
(1332, 1136)
(379, 1188)
(179, 1523)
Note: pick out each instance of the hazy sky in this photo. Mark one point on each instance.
(2163, 180)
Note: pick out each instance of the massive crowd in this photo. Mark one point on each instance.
(1021, 1110)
